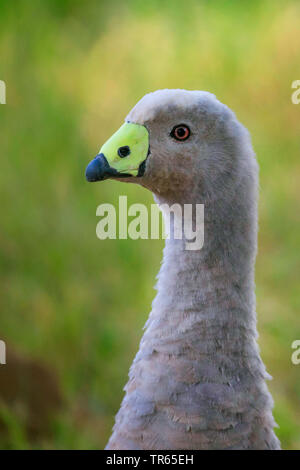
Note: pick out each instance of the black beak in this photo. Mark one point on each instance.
(99, 169)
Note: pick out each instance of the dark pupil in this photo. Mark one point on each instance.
(181, 131)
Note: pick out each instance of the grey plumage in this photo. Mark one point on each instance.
(197, 381)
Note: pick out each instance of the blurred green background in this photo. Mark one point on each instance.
(72, 306)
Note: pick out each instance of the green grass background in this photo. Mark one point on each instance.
(73, 69)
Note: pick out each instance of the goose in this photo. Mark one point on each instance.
(197, 381)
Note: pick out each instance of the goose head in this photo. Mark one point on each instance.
(173, 142)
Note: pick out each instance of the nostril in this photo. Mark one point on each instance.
(124, 151)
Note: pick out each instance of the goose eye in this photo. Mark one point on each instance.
(180, 132)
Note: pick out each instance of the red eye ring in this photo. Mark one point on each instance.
(181, 132)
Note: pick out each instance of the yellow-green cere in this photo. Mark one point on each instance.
(133, 136)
